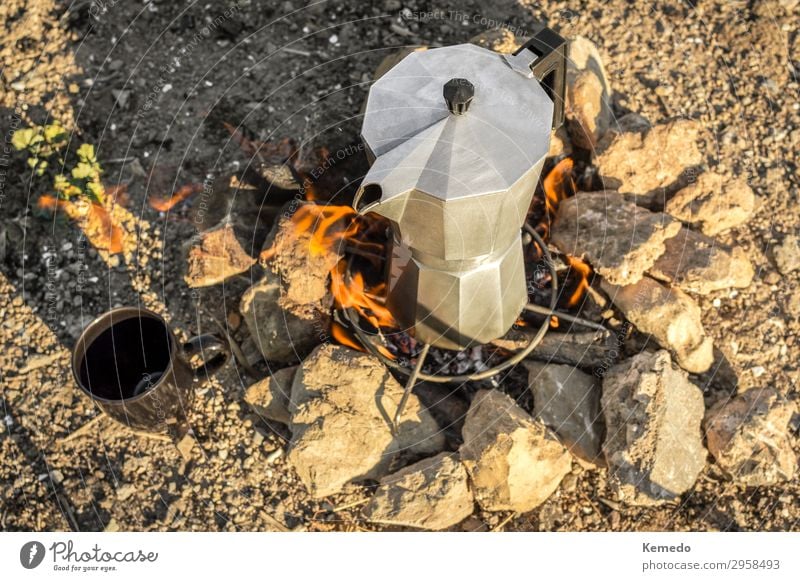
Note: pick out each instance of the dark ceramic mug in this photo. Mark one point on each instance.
(130, 363)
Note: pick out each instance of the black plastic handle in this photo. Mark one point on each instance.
(550, 67)
(213, 350)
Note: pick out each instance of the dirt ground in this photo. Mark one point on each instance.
(151, 84)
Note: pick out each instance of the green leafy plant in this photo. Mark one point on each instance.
(82, 180)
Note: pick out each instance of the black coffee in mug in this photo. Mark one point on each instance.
(131, 364)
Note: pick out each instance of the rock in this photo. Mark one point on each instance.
(342, 406)
(514, 462)
(215, 255)
(281, 335)
(303, 267)
(620, 239)
(567, 401)
(671, 316)
(787, 255)
(270, 397)
(447, 406)
(654, 447)
(560, 144)
(432, 494)
(588, 114)
(698, 264)
(714, 203)
(644, 163)
(499, 40)
(748, 436)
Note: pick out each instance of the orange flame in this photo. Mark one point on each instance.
(96, 221)
(183, 193)
(327, 227)
(582, 270)
(557, 184)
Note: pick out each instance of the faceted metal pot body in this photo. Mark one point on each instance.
(458, 136)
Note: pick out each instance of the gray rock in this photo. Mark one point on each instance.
(698, 264)
(342, 406)
(514, 462)
(619, 239)
(281, 334)
(568, 401)
(645, 162)
(748, 435)
(653, 413)
(713, 202)
(787, 255)
(270, 397)
(215, 255)
(588, 114)
(671, 316)
(432, 494)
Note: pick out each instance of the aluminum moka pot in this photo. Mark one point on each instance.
(457, 137)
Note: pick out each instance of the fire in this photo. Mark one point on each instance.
(582, 270)
(183, 193)
(328, 229)
(559, 185)
(95, 218)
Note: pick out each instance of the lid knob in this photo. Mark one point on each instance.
(458, 94)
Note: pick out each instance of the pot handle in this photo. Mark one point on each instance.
(544, 57)
(213, 350)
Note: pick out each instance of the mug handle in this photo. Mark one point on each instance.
(214, 351)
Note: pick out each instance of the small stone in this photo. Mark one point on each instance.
(713, 202)
(748, 436)
(214, 256)
(185, 446)
(698, 264)
(787, 255)
(643, 163)
(514, 462)
(619, 239)
(568, 401)
(671, 316)
(125, 491)
(342, 406)
(432, 494)
(269, 397)
(654, 445)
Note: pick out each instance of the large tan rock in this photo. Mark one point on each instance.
(698, 264)
(748, 435)
(618, 238)
(432, 494)
(281, 334)
(588, 113)
(270, 397)
(713, 202)
(514, 462)
(671, 316)
(567, 401)
(342, 406)
(654, 445)
(645, 162)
